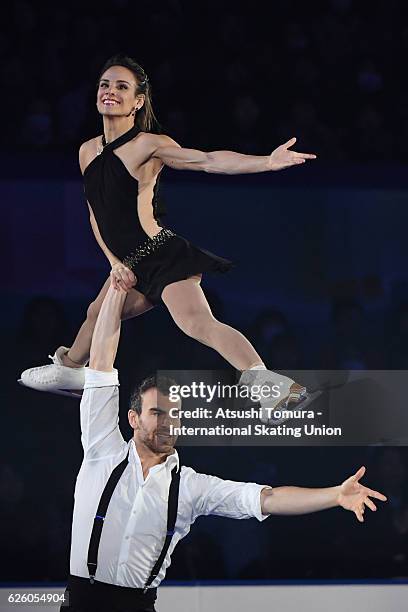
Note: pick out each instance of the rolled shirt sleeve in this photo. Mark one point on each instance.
(96, 378)
(252, 499)
(100, 433)
(212, 495)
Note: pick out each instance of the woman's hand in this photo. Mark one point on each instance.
(122, 277)
(282, 158)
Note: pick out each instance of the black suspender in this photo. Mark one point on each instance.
(101, 513)
(171, 522)
(100, 517)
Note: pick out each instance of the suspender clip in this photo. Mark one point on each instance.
(91, 579)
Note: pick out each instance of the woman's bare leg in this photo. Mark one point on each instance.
(136, 303)
(190, 310)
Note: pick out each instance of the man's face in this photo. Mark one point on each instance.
(153, 426)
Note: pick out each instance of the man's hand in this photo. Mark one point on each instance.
(122, 277)
(354, 496)
(282, 158)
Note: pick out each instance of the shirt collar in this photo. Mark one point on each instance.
(171, 461)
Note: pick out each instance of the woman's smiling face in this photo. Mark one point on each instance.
(117, 92)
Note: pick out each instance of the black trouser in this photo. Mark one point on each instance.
(103, 597)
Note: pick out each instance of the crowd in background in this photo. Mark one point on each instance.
(222, 76)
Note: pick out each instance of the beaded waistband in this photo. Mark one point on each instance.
(148, 247)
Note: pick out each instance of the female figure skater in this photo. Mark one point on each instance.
(149, 261)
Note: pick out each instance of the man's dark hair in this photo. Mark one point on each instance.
(160, 382)
(145, 118)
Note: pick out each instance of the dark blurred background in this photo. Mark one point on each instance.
(223, 74)
(321, 252)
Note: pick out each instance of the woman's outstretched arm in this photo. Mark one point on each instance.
(226, 162)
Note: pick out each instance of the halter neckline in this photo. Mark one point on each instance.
(134, 130)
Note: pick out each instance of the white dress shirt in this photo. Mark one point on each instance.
(135, 525)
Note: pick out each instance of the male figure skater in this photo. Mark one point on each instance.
(133, 501)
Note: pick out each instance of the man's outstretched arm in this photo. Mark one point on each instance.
(351, 495)
(106, 335)
(100, 433)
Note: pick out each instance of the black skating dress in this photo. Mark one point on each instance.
(157, 260)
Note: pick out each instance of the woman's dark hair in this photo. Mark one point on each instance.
(160, 382)
(145, 118)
